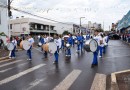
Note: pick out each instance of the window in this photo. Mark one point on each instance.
(10, 26)
(0, 17)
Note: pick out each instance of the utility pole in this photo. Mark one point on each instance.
(80, 23)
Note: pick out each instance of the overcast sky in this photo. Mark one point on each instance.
(107, 11)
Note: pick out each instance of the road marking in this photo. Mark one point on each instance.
(5, 60)
(11, 78)
(37, 50)
(5, 70)
(10, 63)
(4, 57)
(99, 82)
(35, 83)
(68, 81)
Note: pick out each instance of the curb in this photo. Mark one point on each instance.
(114, 85)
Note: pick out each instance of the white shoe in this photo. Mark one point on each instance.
(13, 57)
(100, 56)
(10, 57)
(29, 59)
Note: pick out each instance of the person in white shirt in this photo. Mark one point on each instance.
(14, 42)
(101, 45)
(95, 54)
(60, 42)
(105, 43)
(31, 40)
(56, 53)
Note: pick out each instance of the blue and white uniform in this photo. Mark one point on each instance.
(31, 40)
(87, 36)
(95, 54)
(56, 53)
(14, 42)
(80, 40)
(70, 41)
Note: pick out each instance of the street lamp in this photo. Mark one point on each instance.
(80, 23)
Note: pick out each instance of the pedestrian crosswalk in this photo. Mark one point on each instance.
(71, 77)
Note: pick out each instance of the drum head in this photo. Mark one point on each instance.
(26, 45)
(40, 44)
(52, 47)
(93, 45)
(10, 46)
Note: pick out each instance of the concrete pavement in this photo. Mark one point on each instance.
(42, 74)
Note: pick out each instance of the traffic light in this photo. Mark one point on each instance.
(9, 12)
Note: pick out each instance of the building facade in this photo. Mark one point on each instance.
(124, 24)
(23, 25)
(3, 19)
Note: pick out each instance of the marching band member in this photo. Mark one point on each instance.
(70, 41)
(95, 54)
(101, 45)
(81, 41)
(73, 42)
(31, 40)
(56, 53)
(60, 42)
(42, 42)
(45, 41)
(14, 42)
(87, 36)
(62, 46)
(78, 44)
(105, 43)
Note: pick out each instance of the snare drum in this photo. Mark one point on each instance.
(52, 47)
(76, 42)
(39, 44)
(91, 45)
(68, 45)
(10, 46)
(25, 45)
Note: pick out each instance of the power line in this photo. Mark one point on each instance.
(37, 16)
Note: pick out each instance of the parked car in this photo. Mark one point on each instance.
(114, 36)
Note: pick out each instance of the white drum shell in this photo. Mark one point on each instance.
(26, 45)
(52, 47)
(10, 46)
(40, 44)
(68, 45)
(91, 45)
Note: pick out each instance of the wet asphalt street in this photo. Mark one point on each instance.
(77, 74)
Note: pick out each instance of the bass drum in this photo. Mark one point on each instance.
(25, 45)
(91, 45)
(45, 47)
(52, 47)
(10, 46)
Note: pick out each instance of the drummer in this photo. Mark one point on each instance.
(97, 37)
(70, 41)
(74, 37)
(31, 40)
(80, 39)
(56, 53)
(45, 41)
(62, 46)
(14, 42)
(42, 41)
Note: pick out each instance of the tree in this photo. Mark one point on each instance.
(65, 33)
